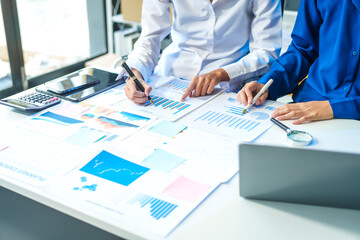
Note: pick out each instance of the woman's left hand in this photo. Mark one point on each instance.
(304, 112)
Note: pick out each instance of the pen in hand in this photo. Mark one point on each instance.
(133, 77)
(261, 92)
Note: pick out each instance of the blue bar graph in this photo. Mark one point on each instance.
(270, 108)
(174, 85)
(225, 120)
(236, 110)
(158, 208)
(171, 105)
(177, 85)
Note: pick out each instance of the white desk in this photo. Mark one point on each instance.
(225, 215)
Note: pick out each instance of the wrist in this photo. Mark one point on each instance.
(328, 110)
(222, 75)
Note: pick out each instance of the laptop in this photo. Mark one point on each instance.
(300, 175)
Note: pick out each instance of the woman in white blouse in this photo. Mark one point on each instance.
(224, 42)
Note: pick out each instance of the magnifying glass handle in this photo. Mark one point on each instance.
(282, 126)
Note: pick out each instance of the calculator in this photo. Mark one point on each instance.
(33, 101)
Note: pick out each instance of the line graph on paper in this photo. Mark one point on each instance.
(113, 168)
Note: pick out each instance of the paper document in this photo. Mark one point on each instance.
(224, 117)
(151, 181)
(3, 146)
(86, 125)
(131, 194)
(35, 158)
(109, 98)
(166, 98)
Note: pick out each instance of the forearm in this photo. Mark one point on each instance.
(156, 24)
(250, 67)
(293, 66)
(264, 43)
(346, 108)
(287, 72)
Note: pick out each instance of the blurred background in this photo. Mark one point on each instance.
(44, 39)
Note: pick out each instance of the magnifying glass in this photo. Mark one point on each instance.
(294, 137)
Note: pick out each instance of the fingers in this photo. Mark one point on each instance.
(134, 94)
(211, 87)
(285, 115)
(300, 121)
(288, 111)
(146, 87)
(199, 84)
(247, 93)
(262, 98)
(242, 97)
(189, 90)
(205, 84)
(304, 112)
(205, 87)
(198, 87)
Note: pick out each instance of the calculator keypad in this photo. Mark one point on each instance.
(38, 99)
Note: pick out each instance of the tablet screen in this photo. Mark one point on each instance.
(107, 81)
(70, 84)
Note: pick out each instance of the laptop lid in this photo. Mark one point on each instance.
(300, 175)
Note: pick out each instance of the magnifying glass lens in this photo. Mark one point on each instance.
(299, 138)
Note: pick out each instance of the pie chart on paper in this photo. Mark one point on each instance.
(87, 116)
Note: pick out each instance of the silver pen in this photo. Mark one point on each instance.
(261, 92)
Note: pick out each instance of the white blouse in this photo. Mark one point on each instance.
(241, 36)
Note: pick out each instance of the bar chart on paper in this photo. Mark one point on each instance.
(166, 107)
(167, 103)
(157, 207)
(224, 117)
(176, 85)
(219, 119)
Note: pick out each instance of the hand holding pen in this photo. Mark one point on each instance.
(245, 96)
(136, 82)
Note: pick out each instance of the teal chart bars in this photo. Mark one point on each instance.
(167, 97)
(175, 85)
(157, 207)
(228, 120)
(224, 117)
(172, 105)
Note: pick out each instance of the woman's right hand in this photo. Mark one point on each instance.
(247, 93)
(133, 92)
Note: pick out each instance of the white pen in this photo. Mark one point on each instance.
(261, 92)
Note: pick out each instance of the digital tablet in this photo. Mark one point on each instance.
(69, 84)
(107, 81)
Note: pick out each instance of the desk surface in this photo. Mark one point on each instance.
(225, 215)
